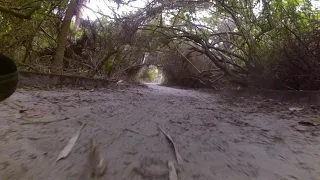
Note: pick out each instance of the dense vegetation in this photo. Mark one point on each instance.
(217, 43)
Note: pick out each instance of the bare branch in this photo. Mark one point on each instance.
(187, 59)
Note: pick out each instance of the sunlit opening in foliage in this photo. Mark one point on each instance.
(151, 74)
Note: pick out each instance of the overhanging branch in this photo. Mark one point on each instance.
(17, 14)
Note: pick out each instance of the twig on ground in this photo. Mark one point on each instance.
(14, 106)
(152, 135)
(43, 122)
(178, 156)
(211, 109)
(172, 171)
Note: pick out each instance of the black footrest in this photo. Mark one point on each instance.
(9, 77)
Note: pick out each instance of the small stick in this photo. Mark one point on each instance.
(130, 130)
(172, 171)
(178, 156)
(43, 122)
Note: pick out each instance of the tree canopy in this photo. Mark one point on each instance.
(260, 43)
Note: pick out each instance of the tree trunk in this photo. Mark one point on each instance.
(57, 65)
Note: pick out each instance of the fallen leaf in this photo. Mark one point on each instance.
(172, 171)
(178, 156)
(67, 149)
(295, 109)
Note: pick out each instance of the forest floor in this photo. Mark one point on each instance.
(218, 137)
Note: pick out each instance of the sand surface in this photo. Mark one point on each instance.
(218, 138)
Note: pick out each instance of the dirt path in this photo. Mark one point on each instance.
(218, 138)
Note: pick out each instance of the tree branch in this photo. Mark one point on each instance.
(20, 15)
(44, 31)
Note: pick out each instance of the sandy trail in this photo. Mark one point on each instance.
(218, 138)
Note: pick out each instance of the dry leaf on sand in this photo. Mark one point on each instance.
(67, 149)
(295, 109)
